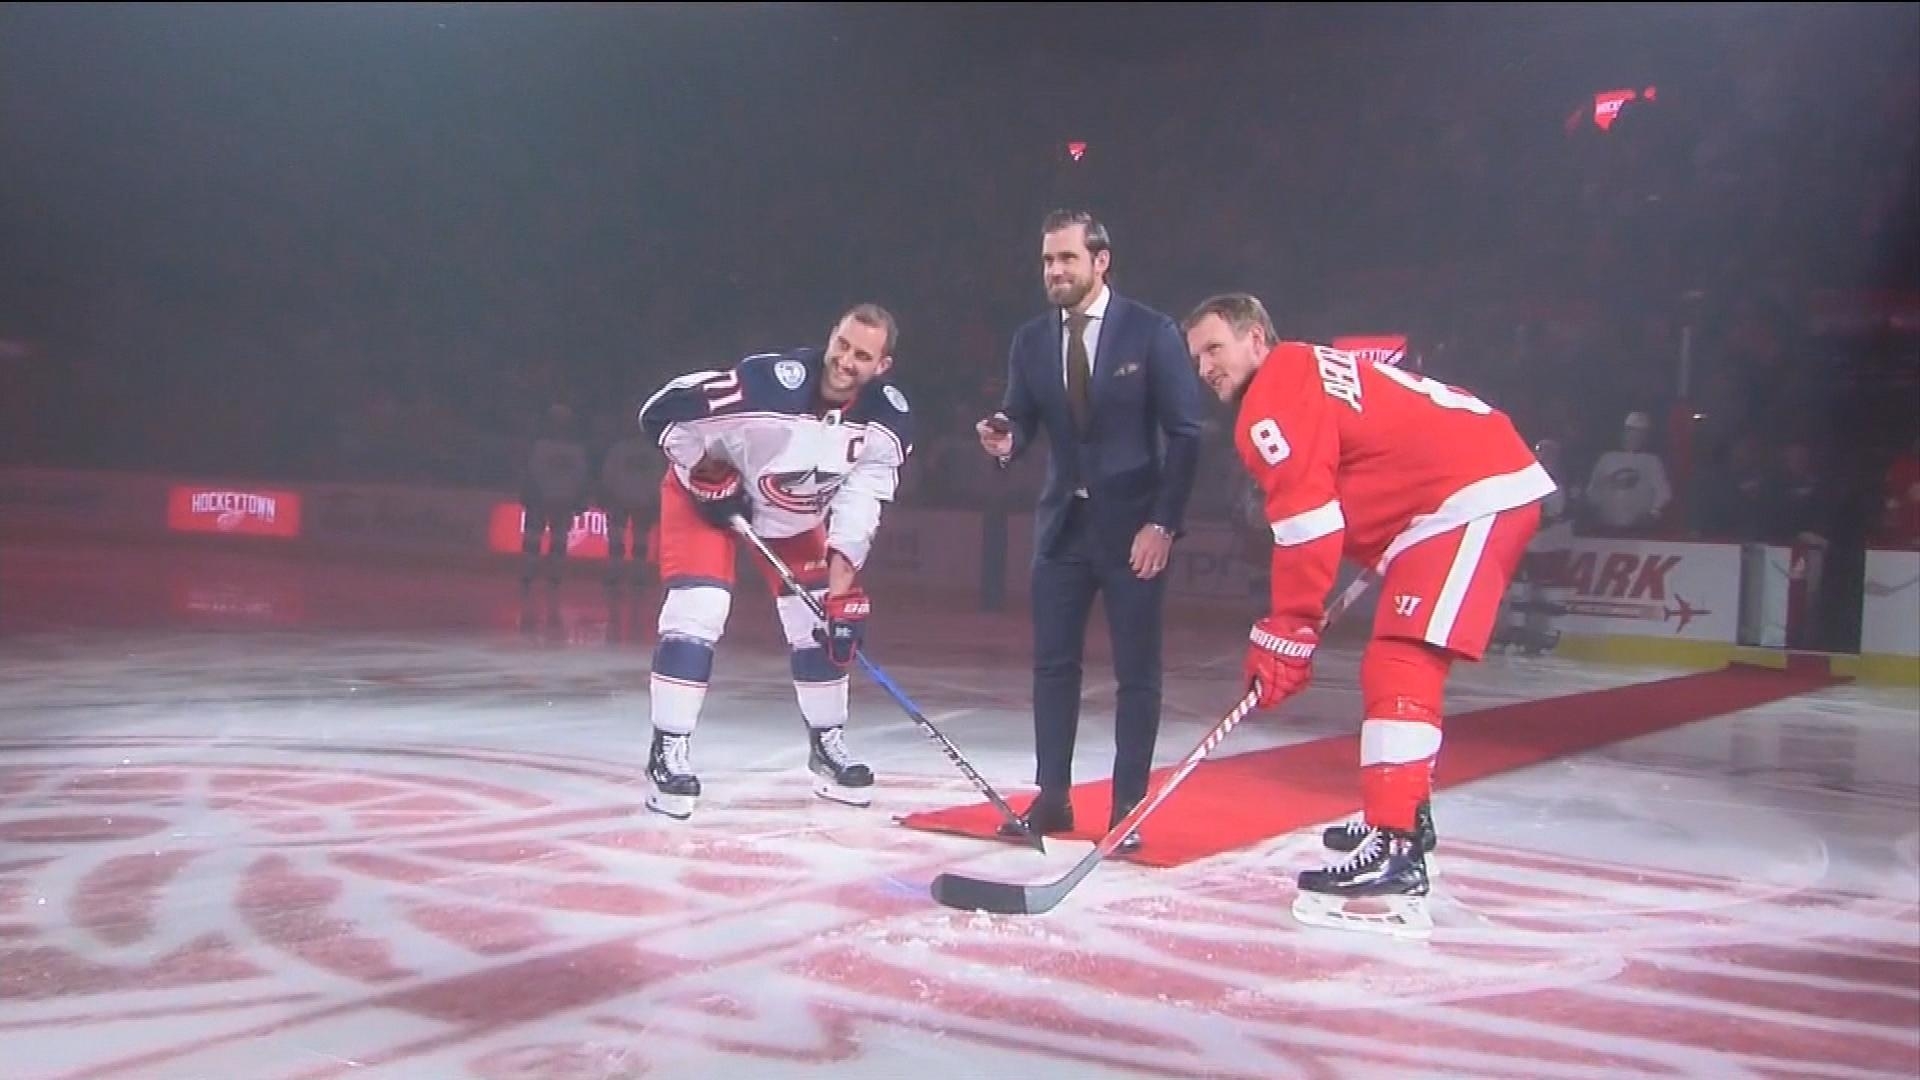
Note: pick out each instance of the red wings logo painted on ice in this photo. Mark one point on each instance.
(220, 912)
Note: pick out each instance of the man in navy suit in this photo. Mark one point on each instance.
(1109, 381)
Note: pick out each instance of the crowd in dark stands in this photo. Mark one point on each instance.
(1722, 260)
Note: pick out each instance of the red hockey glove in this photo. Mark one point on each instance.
(717, 494)
(846, 625)
(1280, 658)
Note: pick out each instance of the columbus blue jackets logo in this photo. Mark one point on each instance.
(807, 491)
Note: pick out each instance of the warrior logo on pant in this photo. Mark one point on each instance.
(1421, 481)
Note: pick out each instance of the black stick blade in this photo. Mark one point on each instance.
(972, 894)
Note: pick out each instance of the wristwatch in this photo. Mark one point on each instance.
(1163, 530)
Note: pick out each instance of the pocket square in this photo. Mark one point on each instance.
(1126, 369)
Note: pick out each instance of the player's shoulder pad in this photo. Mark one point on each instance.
(782, 381)
(1296, 351)
(1276, 385)
(1289, 360)
(881, 402)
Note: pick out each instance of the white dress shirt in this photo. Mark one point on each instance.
(1090, 335)
(1096, 317)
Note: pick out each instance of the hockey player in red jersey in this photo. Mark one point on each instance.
(807, 445)
(1420, 482)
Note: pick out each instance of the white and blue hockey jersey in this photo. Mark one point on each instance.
(799, 460)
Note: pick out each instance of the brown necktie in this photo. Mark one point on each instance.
(1077, 368)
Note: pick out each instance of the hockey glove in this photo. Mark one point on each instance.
(717, 495)
(1280, 659)
(846, 625)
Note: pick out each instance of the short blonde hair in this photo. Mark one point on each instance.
(1241, 311)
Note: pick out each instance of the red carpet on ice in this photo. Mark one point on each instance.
(1229, 803)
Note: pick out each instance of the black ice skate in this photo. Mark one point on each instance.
(1347, 836)
(675, 788)
(837, 775)
(1380, 888)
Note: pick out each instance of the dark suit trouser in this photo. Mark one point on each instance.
(1065, 581)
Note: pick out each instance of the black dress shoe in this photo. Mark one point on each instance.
(1131, 842)
(1043, 817)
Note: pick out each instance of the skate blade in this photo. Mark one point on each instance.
(1403, 917)
(833, 792)
(677, 807)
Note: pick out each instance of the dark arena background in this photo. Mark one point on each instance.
(308, 770)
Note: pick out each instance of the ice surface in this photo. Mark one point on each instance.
(262, 819)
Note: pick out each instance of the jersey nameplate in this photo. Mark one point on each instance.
(1339, 374)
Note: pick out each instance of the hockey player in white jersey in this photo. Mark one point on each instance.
(807, 445)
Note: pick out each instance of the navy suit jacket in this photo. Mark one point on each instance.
(1141, 448)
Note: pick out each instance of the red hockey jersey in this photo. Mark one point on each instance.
(1366, 460)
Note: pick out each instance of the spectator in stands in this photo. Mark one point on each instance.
(1901, 526)
(1557, 509)
(1802, 509)
(1804, 517)
(630, 475)
(1628, 489)
(1734, 492)
(1538, 594)
(553, 489)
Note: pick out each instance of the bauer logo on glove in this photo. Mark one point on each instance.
(846, 625)
(718, 495)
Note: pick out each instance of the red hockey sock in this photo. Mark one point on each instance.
(1394, 792)
(1404, 683)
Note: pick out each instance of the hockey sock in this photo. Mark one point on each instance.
(820, 687)
(678, 686)
(1403, 684)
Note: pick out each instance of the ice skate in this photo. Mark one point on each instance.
(675, 788)
(838, 776)
(1381, 888)
(1347, 836)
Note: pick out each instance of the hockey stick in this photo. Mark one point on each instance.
(899, 696)
(1004, 898)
